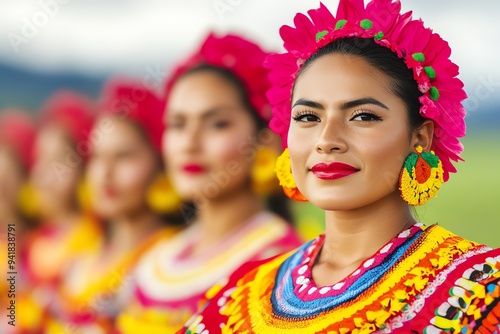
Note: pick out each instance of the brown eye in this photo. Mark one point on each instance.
(366, 117)
(306, 117)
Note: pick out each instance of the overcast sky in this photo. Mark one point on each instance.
(137, 36)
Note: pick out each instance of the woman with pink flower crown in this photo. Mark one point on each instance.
(221, 156)
(369, 106)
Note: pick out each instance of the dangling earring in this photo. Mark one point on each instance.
(284, 173)
(421, 177)
(27, 200)
(161, 196)
(83, 196)
(264, 181)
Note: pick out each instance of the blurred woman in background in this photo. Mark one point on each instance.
(57, 176)
(125, 167)
(220, 156)
(17, 136)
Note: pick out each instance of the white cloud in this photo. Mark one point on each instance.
(112, 35)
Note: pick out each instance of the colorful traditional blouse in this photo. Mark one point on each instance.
(88, 302)
(170, 283)
(49, 253)
(425, 280)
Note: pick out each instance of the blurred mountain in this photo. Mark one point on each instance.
(28, 89)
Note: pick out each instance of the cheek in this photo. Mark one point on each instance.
(300, 148)
(133, 176)
(234, 146)
(171, 148)
(385, 157)
(67, 184)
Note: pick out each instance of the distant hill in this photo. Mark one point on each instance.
(28, 89)
(25, 88)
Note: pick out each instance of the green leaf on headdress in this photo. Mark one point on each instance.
(434, 93)
(431, 73)
(321, 34)
(419, 56)
(366, 24)
(378, 36)
(340, 24)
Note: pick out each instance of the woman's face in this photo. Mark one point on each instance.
(210, 138)
(344, 112)
(120, 171)
(56, 172)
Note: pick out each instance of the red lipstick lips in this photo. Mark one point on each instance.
(333, 170)
(193, 168)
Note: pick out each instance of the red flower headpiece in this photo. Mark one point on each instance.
(242, 57)
(131, 100)
(423, 51)
(18, 132)
(70, 110)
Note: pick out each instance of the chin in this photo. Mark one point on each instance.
(106, 213)
(187, 190)
(329, 202)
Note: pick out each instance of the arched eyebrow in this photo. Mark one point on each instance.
(362, 101)
(343, 106)
(308, 103)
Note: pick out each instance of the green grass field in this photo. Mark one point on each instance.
(468, 204)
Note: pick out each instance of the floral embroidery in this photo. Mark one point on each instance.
(409, 273)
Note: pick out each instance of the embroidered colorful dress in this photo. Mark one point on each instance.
(88, 302)
(49, 253)
(170, 283)
(425, 280)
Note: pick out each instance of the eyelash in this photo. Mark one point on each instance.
(373, 116)
(300, 115)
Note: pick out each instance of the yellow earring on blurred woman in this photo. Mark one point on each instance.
(284, 173)
(264, 181)
(27, 201)
(83, 196)
(161, 196)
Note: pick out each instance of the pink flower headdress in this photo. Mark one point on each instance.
(72, 111)
(242, 57)
(423, 51)
(129, 99)
(18, 132)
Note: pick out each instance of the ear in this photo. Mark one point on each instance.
(423, 135)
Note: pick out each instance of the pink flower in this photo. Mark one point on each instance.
(242, 57)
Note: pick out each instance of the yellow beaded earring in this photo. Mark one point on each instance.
(161, 196)
(421, 177)
(264, 181)
(84, 196)
(284, 173)
(27, 200)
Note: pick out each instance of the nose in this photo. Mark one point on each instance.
(100, 171)
(191, 139)
(331, 138)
